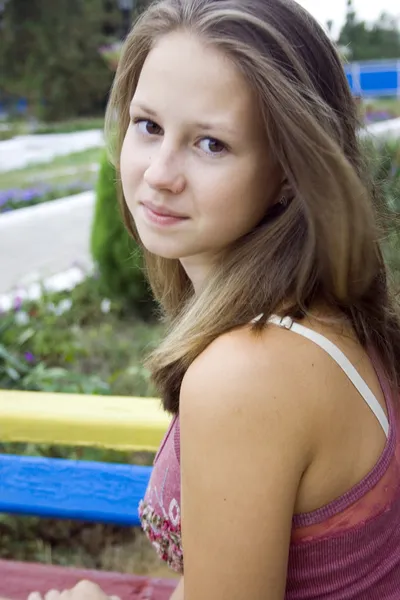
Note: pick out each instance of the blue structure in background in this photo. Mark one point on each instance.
(376, 78)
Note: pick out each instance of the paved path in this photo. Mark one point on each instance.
(43, 240)
(27, 149)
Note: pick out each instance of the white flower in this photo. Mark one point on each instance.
(105, 305)
(21, 317)
(51, 307)
(64, 306)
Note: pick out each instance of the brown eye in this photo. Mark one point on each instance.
(152, 128)
(148, 127)
(212, 146)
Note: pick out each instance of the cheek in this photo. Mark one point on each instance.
(242, 195)
(132, 169)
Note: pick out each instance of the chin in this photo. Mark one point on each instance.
(163, 246)
(162, 249)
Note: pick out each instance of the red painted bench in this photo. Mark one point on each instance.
(18, 579)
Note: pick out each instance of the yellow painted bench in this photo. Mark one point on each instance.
(118, 422)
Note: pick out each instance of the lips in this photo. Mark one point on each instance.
(162, 211)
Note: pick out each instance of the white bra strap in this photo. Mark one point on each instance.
(341, 360)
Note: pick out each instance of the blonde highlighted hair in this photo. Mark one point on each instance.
(324, 245)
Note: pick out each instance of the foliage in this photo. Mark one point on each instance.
(49, 56)
(20, 368)
(116, 255)
(386, 173)
(382, 164)
(380, 41)
(84, 333)
(13, 368)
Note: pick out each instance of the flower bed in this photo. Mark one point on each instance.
(13, 199)
(377, 116)
(84, 335)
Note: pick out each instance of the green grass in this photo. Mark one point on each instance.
(55, 172)
(391, 105)
(83, 124)
(24, 127)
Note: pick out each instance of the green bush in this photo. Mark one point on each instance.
(117, 257)
(384, 165)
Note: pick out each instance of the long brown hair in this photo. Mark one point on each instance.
(325, 244)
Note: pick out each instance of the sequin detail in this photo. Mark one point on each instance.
(164, 534)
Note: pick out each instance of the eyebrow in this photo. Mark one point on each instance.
(143, 107)
(204, 126)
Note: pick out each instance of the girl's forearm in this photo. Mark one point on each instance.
(177, 593)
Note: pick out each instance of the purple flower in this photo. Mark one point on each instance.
(29, 357)
(28, 195)
(7, 195)
(3, 198)
(17, 302)
(18, 198)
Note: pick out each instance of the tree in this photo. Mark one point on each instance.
(50, 56)
(379, 41)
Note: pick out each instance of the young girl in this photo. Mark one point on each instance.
(243, 182)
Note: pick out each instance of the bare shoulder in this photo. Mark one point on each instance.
(271, 370)
(271, 381)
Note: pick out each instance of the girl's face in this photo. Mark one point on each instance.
(195, 164)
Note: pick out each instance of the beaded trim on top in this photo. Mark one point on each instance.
(164, 535)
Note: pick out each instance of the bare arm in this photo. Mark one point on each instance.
(239, 407)
(177, 594)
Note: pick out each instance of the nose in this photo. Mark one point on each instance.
(165, 171)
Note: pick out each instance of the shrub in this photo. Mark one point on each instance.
(385, 172)
(115, 254)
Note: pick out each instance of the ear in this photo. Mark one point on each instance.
(285, 194)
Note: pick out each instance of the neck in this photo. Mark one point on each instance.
(198, 269)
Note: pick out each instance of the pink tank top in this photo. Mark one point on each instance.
(346, 550)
